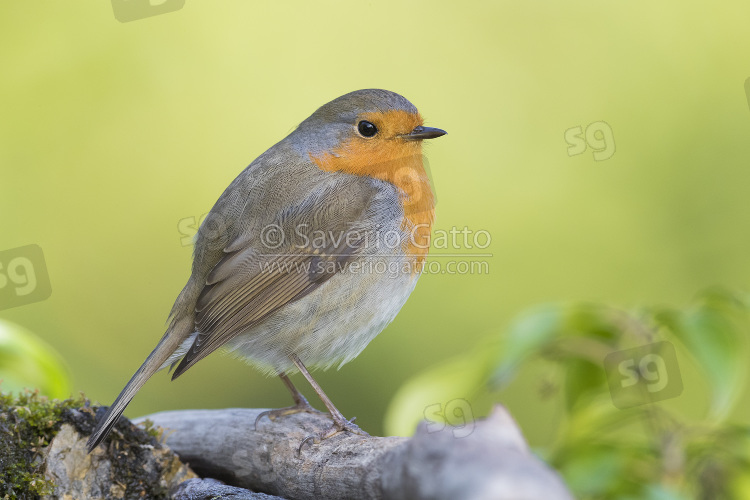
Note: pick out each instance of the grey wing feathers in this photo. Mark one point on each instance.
(248, 284)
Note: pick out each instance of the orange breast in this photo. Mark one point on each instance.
(398, 162)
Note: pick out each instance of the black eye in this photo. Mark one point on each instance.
(367, 129)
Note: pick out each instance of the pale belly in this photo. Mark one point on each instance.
(334, 323)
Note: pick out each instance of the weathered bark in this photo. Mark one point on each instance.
(490, 462)
(212, 489)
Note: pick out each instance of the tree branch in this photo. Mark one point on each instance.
(492, 461)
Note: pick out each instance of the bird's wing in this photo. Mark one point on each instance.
(252, 280)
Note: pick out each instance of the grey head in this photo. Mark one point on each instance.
(338, 120)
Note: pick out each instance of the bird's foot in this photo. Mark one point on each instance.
(340, 424)
(301, 407)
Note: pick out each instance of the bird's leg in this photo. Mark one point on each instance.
(339, 422)
(300, 404)
(299, 399)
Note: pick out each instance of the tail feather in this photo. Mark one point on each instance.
(155, 361)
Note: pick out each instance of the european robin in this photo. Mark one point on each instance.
(309, 253)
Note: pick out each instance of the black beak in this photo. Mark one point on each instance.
(421, 132)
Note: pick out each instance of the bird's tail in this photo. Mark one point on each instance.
(175, 335)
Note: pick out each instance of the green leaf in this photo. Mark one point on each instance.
(443, 394)
(661, 492)
(596, 420)
(26, 361)
(582, 378)
(715, 336)
(595, 471)
(563, 331)
(533, 330)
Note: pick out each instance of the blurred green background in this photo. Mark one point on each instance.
(115, 136)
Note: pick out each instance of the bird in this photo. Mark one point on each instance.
(308, 255)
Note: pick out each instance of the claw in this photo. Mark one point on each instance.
(260, 416)
(304, 441)
(282, 412)
(337, 427)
